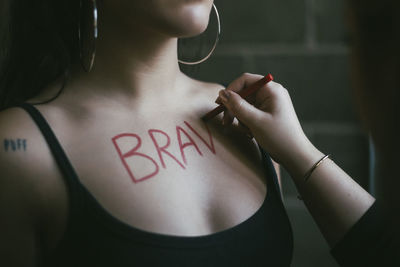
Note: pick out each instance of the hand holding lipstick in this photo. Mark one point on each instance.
(269, 115)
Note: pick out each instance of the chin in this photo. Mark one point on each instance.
(174, 18)
(188, 19)
(193, 21)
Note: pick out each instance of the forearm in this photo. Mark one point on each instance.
(335, 201)
(333, 198)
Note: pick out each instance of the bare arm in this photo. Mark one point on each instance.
(20, 192)
(19, 239)
(335, 200)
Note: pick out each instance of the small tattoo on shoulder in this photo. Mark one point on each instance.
(14, 145)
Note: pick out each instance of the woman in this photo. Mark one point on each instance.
(128, 184)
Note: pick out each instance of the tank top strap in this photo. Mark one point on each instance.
(56, 149)
(272, 178)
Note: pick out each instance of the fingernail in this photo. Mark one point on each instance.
(224, 95)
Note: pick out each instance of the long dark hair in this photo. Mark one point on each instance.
(38, 44)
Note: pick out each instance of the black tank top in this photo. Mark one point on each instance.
(93, 237)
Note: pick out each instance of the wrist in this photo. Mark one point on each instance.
(301, 160)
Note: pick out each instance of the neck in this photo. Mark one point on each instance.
(139, 65)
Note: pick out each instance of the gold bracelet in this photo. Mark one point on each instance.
(308, 174)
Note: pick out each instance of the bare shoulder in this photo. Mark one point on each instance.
(211, 89)
(20, 192)
(19, 140)
(26, 163)
(206, 89)
(210, 86)
(33, 196)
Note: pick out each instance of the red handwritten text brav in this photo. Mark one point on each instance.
(162, 150)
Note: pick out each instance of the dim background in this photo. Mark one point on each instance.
(304, 44)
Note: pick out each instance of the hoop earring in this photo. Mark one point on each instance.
(91, 51)
(214, 46)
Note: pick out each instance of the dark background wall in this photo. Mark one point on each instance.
(303, 43)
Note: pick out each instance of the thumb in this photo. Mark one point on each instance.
(240, 108)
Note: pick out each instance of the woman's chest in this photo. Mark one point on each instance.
(185, 180)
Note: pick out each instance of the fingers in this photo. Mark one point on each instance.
(240, 108)
(228, 118)
(239, 126)
(255, 109)
(245, 80)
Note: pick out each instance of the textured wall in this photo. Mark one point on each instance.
(303, 44)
